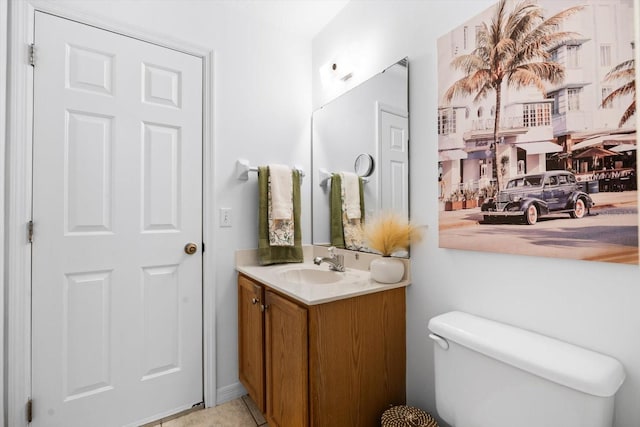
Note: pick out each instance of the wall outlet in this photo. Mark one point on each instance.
(225, 217)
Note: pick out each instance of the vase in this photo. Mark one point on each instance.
(387, 270)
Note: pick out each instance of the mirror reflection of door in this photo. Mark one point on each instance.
(394, 160)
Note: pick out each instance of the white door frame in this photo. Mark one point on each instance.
(4, 34)
(17, 260)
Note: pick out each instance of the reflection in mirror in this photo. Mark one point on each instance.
(371, 119)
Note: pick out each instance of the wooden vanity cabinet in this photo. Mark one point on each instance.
(251, 339)
(286, 357)
(335, 364)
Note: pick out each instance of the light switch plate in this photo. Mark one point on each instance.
(225, 217)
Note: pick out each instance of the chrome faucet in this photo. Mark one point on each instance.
(335, 261)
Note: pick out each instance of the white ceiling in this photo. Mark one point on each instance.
(303, 17)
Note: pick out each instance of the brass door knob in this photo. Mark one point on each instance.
(190, 248)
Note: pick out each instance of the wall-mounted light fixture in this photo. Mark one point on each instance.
(341, 71)
(335, 71)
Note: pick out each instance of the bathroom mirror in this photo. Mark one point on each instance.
(366, 131)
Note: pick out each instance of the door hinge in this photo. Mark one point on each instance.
(32, 54)
(30, 231)
(29, 410)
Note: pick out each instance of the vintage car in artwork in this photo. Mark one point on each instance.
(535, 195)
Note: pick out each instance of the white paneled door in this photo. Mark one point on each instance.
(394, 160)
(117, 194)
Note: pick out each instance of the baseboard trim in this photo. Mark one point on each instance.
(230, 392)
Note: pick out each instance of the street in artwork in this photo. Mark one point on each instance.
(609, 233)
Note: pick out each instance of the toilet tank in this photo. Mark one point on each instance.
(489, 374)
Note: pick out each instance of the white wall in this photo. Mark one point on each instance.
(591, 304)
(262, 113)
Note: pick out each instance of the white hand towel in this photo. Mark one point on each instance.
(351, 191)
(281, 188)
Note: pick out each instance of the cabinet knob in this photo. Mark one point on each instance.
(264, 307)
(254, 300)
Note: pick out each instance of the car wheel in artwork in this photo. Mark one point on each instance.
(531, 215)
(580, 210)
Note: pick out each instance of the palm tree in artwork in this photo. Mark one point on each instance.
(513, 49)
(625, 72)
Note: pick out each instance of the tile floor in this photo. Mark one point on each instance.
(241, 412)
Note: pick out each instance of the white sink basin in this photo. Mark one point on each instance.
(309, 276)
(314, 276)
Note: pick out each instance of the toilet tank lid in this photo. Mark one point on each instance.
(563, 363)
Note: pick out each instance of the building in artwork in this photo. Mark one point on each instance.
(541, 131)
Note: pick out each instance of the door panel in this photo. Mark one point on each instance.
(88, 170)
(117, 155)
(161, 172)
(86, 344)
(394, 157)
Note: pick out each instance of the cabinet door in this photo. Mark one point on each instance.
(287, 362)
(251, 339)
(357, 359)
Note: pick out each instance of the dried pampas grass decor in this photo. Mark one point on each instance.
(389, 233)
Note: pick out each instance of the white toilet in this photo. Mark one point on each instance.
(488, 374)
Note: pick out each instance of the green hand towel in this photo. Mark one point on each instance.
(335, 209)
(268, 254)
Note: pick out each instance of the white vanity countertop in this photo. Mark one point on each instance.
(357, 280)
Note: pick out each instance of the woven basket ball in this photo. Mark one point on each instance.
(407, 416)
